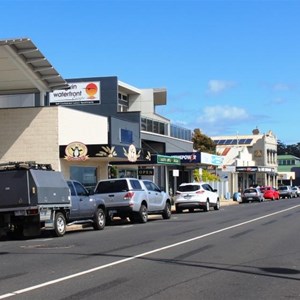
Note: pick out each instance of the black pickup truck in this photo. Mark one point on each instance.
(33, 197)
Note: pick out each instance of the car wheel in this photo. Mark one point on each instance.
(217, 206)
(142, 215)
(60, 224)
(206, 207)
(273, 198)
(99, 219)
(167, 211)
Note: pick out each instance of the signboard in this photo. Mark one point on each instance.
(79, 93)
(175, 173)
(167, 160)
(211, 159)
(146, 171)
(76, 151)
(246, 169)
(187, 157)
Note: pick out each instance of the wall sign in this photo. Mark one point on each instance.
(76, 151)
(146, 171)
(79, 93)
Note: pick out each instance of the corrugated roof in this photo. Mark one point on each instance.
(24, 69)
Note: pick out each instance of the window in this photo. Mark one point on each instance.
(85, 175)
(135, 184)
(123, 102)
(81, 191)
(126, 136)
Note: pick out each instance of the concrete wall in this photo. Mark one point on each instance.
(34, 134)
(29, 134)
(83, 127)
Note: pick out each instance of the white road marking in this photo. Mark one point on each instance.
(35, 287)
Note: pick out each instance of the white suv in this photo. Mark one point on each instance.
(196, 195)
(133, 198)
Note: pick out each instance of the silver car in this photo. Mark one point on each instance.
(285, 191)
(252, 194)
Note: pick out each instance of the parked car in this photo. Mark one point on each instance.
(270, 192)
(196, 196)
(86, 208)
(252, 194)
(285, 191)
(295, 192)
(133, 198)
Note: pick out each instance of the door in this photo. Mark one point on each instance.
(85, 202)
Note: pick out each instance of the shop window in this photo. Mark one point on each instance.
(128, 173)
(86, 175)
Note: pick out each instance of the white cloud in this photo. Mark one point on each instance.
(218, 86)
(221, 114)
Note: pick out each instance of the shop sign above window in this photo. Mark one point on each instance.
(76, 151)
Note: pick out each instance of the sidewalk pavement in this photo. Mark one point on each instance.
(228, 202)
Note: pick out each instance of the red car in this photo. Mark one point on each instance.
(271, 193)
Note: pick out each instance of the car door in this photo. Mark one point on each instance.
(74, 212)
(212, 195)
(85, 202)
(152, 195)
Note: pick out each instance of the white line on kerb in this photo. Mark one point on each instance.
(35, 287)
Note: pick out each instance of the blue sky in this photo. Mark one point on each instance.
(228, 66)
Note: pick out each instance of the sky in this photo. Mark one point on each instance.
(228, 66)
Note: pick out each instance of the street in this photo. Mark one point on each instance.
(245, 251)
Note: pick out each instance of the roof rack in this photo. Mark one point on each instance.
(17, 165)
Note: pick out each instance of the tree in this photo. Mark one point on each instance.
(202, 142)
(206, 176)
(281, 148)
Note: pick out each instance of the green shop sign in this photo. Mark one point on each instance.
(167, 160)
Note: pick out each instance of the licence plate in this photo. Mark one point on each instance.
(20, 213)
(45, 214)
(250, 198)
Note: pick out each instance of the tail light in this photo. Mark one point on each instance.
(200, 192)
(129, 196)
(34, 211)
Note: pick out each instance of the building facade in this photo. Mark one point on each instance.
(249, 160)
(288, 170)
(88, 128)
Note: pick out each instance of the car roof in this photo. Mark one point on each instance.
(192, 183)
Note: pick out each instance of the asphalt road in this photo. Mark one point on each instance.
(246, 251)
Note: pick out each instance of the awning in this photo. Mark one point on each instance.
(24, 69)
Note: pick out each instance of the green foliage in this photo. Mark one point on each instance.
(206, 176)
(283, 149)
(202, 142)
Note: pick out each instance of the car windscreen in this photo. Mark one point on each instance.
(250, 191)
(189, 188)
